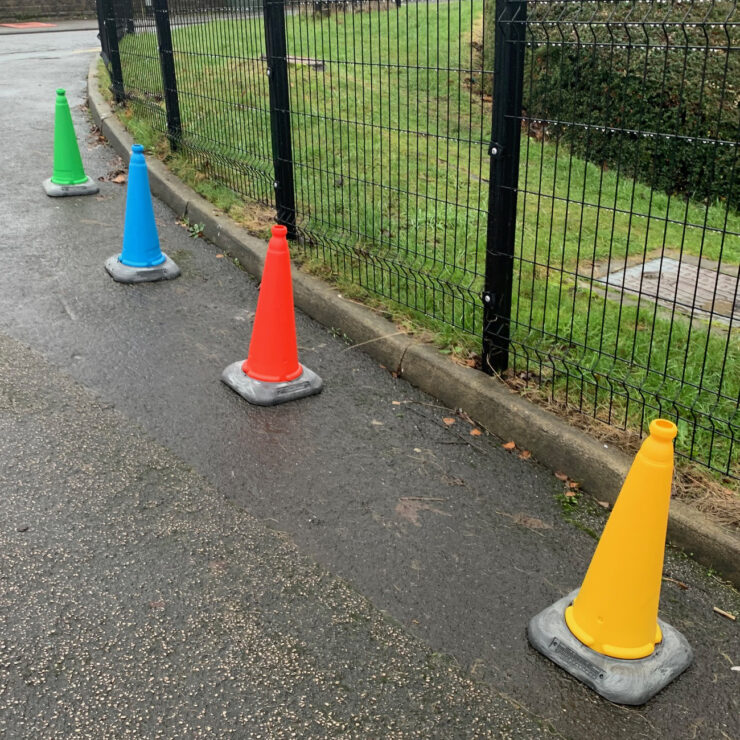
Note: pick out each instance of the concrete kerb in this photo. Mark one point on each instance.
(552, 441)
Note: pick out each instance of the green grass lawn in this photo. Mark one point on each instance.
(389, 146)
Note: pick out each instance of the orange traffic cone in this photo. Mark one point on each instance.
(271, 374)
(608, 633)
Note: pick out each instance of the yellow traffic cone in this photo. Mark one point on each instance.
(608, 634)
(616, 610)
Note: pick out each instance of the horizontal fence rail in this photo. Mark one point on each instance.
(559, 179)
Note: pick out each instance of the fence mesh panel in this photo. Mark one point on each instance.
(390, 149)
(377, 117)
(626, 267)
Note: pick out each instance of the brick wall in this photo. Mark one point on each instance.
(25, 10)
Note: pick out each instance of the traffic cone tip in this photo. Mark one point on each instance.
(663, 430)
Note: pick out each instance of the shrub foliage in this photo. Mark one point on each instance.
(651, 89)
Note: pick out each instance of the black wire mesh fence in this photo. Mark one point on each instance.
(559, 179)
(627, 233)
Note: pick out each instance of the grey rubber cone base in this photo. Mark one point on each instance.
(621, 681)
(89, 187)
(263, 393)
(168, 270)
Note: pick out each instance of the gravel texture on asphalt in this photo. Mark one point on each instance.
(137, 602)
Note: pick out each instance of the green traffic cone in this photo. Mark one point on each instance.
(69, 176)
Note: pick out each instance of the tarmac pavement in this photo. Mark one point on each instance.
(137, 602)
(455, 540)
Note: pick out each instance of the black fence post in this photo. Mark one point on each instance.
(101, 32)
(110, 47)
(282, 149)
(167, 65)
(508, 83)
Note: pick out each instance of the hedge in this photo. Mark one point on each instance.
(657, 93)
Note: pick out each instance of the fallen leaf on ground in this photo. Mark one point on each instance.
(509, 445)
(475, 432)
(561, 476)
(396, 403)
(570, 494)
(573, 484)
(723, 613)
(448, 420)
(119, 179)
(219, 256)
(525, 454)
(603, 504)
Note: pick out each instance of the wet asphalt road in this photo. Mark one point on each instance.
(137, 602)
(423, 520)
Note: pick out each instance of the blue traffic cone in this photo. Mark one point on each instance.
(141, 258)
